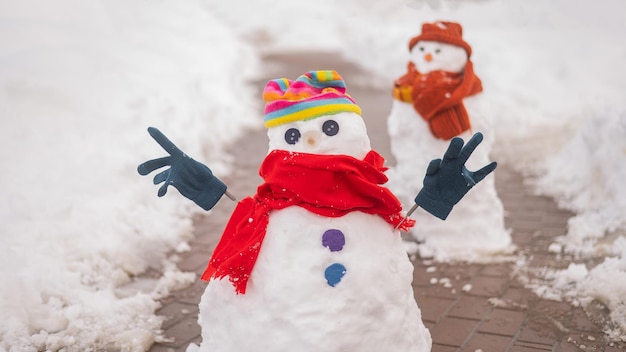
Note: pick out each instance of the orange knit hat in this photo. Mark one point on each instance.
(442, 31)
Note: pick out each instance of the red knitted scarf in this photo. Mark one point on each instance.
(327, 185)
(438, 98)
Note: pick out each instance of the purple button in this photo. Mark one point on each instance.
(334, 240)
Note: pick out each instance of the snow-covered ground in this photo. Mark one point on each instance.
(80, 83)
(80, 80)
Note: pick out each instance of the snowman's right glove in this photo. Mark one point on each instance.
(192, 179)
(448, 180)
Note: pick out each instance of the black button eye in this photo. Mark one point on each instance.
(421, 48)
(330, 128)
(437, 51)
(292, 136)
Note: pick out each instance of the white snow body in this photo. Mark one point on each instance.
(474, 230)
(289, 305)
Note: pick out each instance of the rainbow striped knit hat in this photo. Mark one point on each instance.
(314, 94)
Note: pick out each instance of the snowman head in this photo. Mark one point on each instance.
(313, 114)
(431, 56)
(440, 46)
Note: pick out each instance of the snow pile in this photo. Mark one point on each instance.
(587, 176)
(80, 82)
(605, 283)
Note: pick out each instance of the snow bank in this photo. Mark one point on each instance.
(80, 82)
(603, 285)
(587, 176)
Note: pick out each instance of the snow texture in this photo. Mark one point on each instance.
(81, 80)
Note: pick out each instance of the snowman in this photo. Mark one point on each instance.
(314, 261)
(435, 101)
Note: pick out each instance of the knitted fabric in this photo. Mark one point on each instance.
(342, 185)
(438, 97)
(444, 32)
(314, 94)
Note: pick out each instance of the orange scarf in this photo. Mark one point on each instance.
(438, 97)
(327, 185)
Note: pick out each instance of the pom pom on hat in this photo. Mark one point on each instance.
(442, 31)
(314, 94)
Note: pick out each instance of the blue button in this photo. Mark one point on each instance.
(334, 273)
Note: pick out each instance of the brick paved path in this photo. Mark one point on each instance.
(467, 307)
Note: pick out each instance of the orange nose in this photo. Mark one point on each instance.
(428, 57)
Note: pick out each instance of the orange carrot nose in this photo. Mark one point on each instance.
(428, 57)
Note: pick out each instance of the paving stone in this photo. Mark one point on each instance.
(487, 286)
(568, 346)
(513, 202)
(580, 322)
(176, 311)
(542, 245)
(182, 332)
(192, 293)
(453, 331)
(539, 330)
(421, 278)
(522, 238)
(496, 270)
(532, 201)
(517, 348)
(557, 219)
(437, 290)
(554, 232)
(470, 307)
(442, 348)
(525, 225)
(430, 325)
(516, 284)
(552, 308)
(487, 342)
(535, 345)
(582, 342)
(541, 259)
(533, 216)
(195, 261)
(162, 348)
(461, 272)
(502, 322)
(433, 308)
(516, 298)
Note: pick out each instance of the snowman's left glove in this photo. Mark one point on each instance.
(192, 179)
(448, 180)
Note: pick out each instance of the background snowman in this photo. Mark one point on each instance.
(314, 261)
(431, 105)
